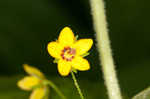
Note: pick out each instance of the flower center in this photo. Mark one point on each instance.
(68, 53)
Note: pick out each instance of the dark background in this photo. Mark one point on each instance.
(26, 27)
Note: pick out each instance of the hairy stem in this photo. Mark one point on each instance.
(77, 85)
(108, 68)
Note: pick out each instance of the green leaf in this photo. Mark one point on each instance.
(76, 37)
(37, 86)
(145, 94)
(74, 70)
(55, 60)
(85, 54)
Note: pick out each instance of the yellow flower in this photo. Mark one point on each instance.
(69, 52)
(35, 82)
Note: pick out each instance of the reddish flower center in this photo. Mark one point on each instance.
(68, 53)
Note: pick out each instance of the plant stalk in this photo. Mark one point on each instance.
(104, 48)
(51, 84)
(77, 85)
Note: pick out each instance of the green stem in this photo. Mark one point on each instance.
(55, 88)
(108, 67)
(77, 85)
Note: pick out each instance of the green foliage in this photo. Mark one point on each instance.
(74, 70)
(145, 94)
(55, 60)
(76, 37)
(36, 86)
(85, 54)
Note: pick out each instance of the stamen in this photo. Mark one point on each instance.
(68, 53)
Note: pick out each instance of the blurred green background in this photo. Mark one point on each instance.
(26, 27)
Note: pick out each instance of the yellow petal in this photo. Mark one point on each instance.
(83, 45)
(64, 67)
(66, 37)
(38, 93)
(28, 82)
(54, 49)
(80, 63)
(33, 71)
